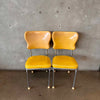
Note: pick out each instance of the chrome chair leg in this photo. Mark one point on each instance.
(27, 80)
(73, 87)
(53, 80)
(49, 79)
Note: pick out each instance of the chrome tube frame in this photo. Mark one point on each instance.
(65, 69)
(49, 69)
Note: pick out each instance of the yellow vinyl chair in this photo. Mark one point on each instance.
(64, 40)
(38, 40)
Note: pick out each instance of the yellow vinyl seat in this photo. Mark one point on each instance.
(64, 62)
(38, 62)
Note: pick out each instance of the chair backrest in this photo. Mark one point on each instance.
(64, 40)
(37, 39)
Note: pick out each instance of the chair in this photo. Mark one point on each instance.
(64, 40)
(38, 40)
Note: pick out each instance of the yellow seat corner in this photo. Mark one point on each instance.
(64, 62)
(38, 62)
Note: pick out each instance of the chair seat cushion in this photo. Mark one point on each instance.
(38, 62)
(64, 62)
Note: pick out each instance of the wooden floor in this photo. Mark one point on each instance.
(13, 86)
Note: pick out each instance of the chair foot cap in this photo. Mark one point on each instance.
(54, 70)
(53, 87)
(46, 70)
(28, 88)
(68, 72)
(32, 71)
(48, 87)
(73, 88)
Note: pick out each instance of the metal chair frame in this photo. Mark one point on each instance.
(73, 86)
(49, 69)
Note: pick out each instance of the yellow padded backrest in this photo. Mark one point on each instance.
(64, 40)
(37, 39)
